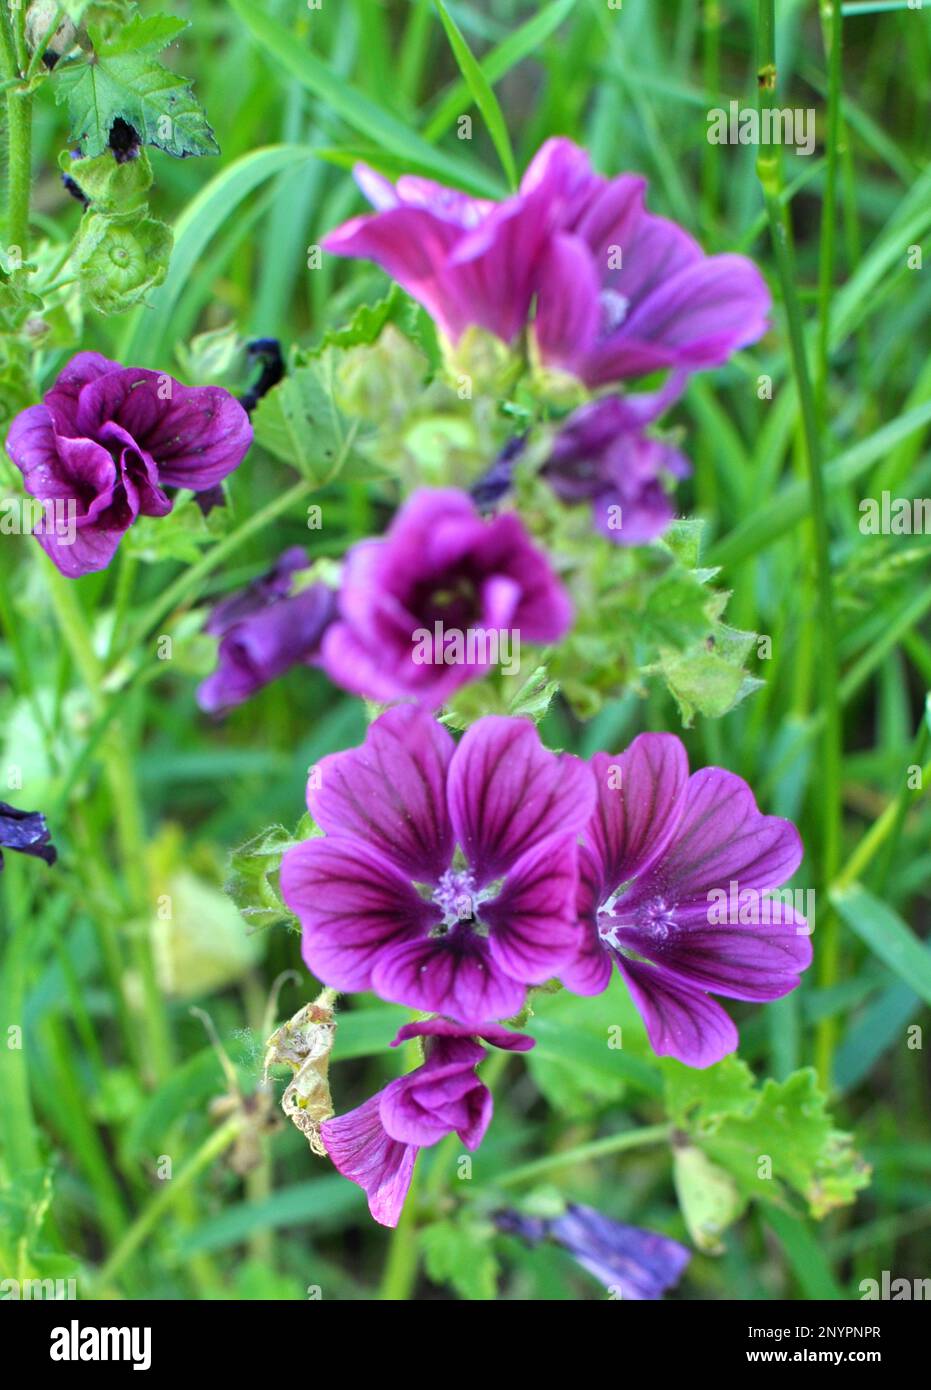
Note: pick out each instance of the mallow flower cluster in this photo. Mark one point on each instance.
(453, 877)
(605, 291)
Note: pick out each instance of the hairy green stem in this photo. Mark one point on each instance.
(19, 134)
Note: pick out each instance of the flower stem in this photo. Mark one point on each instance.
(19, 138)
(832, 25)
(403, 1254)
(144, 1223)
(770, 175)
(597, 1148)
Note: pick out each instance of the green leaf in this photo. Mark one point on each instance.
(482, 91)
(146, 34)
(110, 187)
(252, 880)
(459, 1253)
(767, 1139)
(300, 422)
(887, 936)
(132, 86)
(708, 1197)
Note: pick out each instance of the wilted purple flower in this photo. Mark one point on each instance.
(106, 442)
(377, 1144)
(467, 260)
(427, 607)
(603, 456)
(27, 832)
(660, 856)
(631, 1263)
(622, 292)
(387, 901)
(265, 630)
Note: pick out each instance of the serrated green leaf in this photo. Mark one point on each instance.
(146, 34)
(133, 87)
(300, 422)
(459, 1253)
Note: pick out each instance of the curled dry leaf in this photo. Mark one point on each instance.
(304, 1044)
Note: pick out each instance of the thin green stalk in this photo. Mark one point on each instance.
(403, 1254)
(130, 829)
(830, 789)
(172, 1188)
(832, 24)
(584, 1153)
(19, 138)
(880, 833)
(20, 1142)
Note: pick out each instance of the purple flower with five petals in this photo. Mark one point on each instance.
(264, 631)
(622, 293)
(441, 574)
(661, 853)
(377, 1144)
(108, 440)
(633, 1263)
(602, 456)
(446, 880)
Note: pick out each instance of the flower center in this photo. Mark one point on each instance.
(654, 918)
(457, 899)
(614, 308)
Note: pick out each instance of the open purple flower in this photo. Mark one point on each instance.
(439, 600)
(622, 293)
(467, 260)
(388, 902)
(26, 832)
(603, 456)
(377, 1144)
(631, 1263)
(665, 857)
(105, 444)
(265, 630)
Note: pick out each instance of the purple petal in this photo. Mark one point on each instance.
(638, 1264)
(507, 794)
(532, 920)
(444, 1096)
(363, 1152)
(721, 837)
(589, 970)
(568, 304)
(446, 1028)
(391, 792)
(680, 1022)
(453, 975)
(744, 962)
(353, 906)
(640, 804)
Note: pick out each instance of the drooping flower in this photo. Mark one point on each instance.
(622, 292)
(108, 440)
(603, 456)
(664, 858)
(388, 902)
(631, 1263)
(26, 832)
(377, 1144)
(468, 261)
(427, 607)
(264, 631)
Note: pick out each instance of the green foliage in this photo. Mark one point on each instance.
(123, 81)
(459, 1253)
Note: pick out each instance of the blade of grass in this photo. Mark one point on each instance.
(482, 92)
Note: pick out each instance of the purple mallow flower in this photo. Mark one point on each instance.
(603, 456)
(467, 260)
(427, 607)
(105, 444)
(264, 631)
(631, 1263)
(377, 1144)
(622, 293)
(26, 832)
(619, 292)
(446, 880)
(661, 853)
